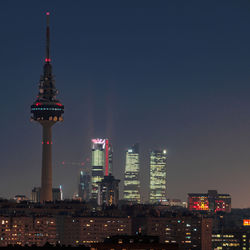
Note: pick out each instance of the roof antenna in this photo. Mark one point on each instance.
(47, 59)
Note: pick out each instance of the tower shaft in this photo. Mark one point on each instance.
(46, 182)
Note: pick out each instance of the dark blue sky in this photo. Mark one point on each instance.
(172, 74)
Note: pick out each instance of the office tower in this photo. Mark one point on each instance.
(210, 202)
(57, 194)
(47, 110)
(84, 186)
(108, 191)
(102, 162)
(98, 149)
(131, 179)
(158, 176)
(109, 148)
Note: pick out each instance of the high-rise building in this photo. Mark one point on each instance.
(131, 179)
(108, 191)
(98, 149)
(158, 176)
(102, 162)
(110, 158)
(84, 186)
(210, 202)
(47, 110)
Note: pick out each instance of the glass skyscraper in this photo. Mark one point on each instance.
(131, 180)
(158, 175)
(84, 185)
(102, 162)
(98, 147)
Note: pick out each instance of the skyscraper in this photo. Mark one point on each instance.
(47, 110)
(110, 158)
(98, 147)
(131, 179)
(84, 185)
(102, 162)
(158, 175)
(108, 191)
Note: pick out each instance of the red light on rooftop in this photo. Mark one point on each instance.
(47, 59)
(47, 142)
(58, 104)
(38, 104)
(47, 13)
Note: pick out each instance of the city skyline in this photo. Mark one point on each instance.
(174, 76)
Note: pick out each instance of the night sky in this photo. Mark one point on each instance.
(165, 74)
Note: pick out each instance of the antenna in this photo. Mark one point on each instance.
(47, 59)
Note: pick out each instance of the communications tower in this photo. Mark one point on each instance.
(47, 110)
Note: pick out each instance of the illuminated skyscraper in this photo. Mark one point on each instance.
(158, 175)
(131, 180)
(102, 162)
(84, 185)
(98, 146)
(47, 110)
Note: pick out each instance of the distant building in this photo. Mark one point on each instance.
(210, 202)
(84, 186)
(158, 176)
(57, 194)
(231, 239)
(189, 232)
(19, 198)
(102, 162)
(108, 191)
(27, 230)
(134, 242)
(76, 231)
(131, 179)
(109, 147)
(174, 203)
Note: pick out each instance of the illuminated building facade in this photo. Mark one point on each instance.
(158, 176)
(231, 239)
(86, 230)
(211, 202)
(98, 163)
(27, 230)
(189, 232)
(131, 179)
(108, 191)
(47, 110)
(84, 186)
(102, 162)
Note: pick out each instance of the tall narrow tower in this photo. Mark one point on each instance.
(47, 110)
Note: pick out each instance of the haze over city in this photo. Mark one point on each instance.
(172, 76)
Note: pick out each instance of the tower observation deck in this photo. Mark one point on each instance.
(47, 110)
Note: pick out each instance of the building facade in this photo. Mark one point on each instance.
(158, 176)
(97, 163)
(131, 179)
(57, 194)
(108, 191)
(210, 202)
(189, 232)
(102, 163)
(84, 186)
(27, 230)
